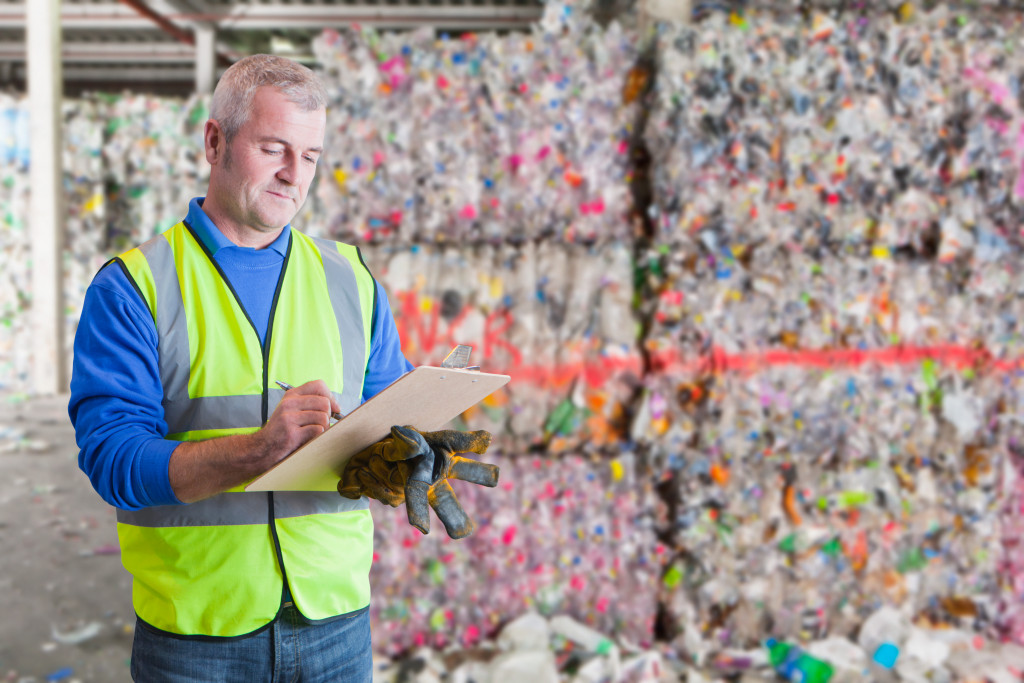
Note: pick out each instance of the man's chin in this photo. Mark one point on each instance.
(275, 220)
(273, 227)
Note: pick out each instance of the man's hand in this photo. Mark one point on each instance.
(414, 467)
(303, 413)
(200, 469)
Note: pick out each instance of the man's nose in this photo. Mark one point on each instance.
(289, 170)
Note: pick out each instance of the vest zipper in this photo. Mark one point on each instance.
(271, 520)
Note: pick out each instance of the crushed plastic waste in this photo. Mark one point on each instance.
(485, 138)
(16, 440)
(815, 188)
(790, 413)
(575, 537)
(106, 549)
(131, 163)
(558, 319)
(60, 675)
(548, 655)
(79, 635)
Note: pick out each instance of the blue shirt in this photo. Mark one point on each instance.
(116, 392)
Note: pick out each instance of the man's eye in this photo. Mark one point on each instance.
(310, 159)
(271, 151)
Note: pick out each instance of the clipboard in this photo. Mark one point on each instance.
(427, 398)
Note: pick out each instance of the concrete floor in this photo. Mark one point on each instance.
(61, 578)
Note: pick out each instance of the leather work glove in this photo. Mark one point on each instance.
(382, 470)
(428, 483)
(414, 467)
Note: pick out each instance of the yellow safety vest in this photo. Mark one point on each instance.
(217, 567)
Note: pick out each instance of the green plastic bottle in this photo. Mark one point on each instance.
(793, 664)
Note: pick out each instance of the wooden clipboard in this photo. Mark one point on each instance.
(426, 398)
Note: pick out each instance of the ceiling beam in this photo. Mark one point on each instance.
(118, 16)
(136, 52)
(313, 16)
(177, 9)
(170, 28)
(166, 25)
(100, 16)
(115, 74)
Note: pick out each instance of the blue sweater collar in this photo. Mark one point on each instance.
(214, 239)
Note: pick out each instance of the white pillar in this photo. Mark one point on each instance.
(679, 11)
(45, 89)
(206, 58)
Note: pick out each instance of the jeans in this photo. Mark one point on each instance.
(290, 650)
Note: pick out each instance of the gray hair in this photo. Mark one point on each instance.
(232, 99)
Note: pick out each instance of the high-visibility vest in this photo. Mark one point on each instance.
(217, 567)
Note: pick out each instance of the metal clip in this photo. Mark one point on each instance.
(458, 358)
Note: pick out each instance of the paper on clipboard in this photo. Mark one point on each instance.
(426, 398)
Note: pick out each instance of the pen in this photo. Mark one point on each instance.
(286, 387)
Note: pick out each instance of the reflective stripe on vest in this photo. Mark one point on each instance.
(207, 568)
(229, 509)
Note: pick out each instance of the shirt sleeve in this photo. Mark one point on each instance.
(387, 362)
(116, 395)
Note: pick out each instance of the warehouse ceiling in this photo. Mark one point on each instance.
(149, 45)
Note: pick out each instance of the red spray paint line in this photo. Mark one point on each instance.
(717, 360)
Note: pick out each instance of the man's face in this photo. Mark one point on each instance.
(262, 182)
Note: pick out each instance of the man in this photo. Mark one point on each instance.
(175, 406)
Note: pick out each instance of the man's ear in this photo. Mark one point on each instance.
(216, 145)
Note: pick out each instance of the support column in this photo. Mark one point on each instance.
(206, 58)
(47, 222)
(679, 11)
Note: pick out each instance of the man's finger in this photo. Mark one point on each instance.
(295, 438)
(318, 387)
(306, 418)
(308, 402)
